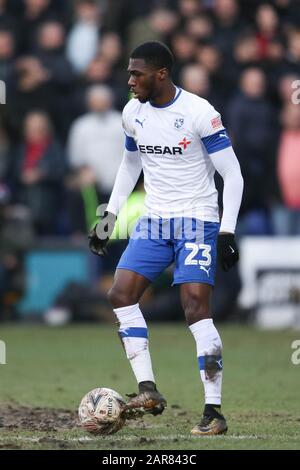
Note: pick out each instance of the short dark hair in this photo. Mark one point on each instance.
(155, 53)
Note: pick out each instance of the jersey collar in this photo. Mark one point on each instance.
(177, 94)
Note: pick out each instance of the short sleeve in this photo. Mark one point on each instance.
(211, 131)
(129, 133)
(126, 123)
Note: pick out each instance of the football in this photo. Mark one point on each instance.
(100, 411)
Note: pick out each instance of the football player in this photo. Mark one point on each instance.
(178, 140)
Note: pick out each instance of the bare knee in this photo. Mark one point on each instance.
(119, 297)
(195, 298)
(196, 310)
(127, 289)
(196, 305)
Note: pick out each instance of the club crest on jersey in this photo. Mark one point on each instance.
(178, 123)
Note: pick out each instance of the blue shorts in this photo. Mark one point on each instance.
(190, 243)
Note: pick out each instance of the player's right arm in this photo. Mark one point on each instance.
(131, 165)
(127, 176)
(126, 179)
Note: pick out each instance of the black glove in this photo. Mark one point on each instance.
(228, 253)
(99, 236)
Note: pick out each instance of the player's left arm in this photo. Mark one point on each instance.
(227, 165)
(218, 146)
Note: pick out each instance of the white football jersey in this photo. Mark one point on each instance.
(174, 142)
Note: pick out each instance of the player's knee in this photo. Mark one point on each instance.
(119, 298)
(115, 297)
(196, 308)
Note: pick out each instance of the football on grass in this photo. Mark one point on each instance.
(100, 411)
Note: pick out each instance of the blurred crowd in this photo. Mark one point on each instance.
(63, 63)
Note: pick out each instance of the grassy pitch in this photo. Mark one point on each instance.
(49, 370)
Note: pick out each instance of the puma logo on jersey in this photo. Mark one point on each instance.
(223, 134)
(140, 122)
(206, 270)
(159, 150)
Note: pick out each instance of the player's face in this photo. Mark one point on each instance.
(144, 80)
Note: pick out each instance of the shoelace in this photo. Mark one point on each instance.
(206, 420)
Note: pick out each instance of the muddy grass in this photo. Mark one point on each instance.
(37, 419)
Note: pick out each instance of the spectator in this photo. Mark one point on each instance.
(159, 24)
(50, 52)
(100, 71)
(6, 19)
(111, 48)
(97, 138)
(37, 169)
(288, 12)
(195, 79)
(200, 28)
(246, 51)
(251, 124)
(189, 8)
(35, 13)
(209, 57)
(29, 89)
(286, 217)
(83, 38)
(94, 140)
(228, 25)
(43, 81)
(7, 50)
(118, 14)
(267, 23)
(293, 52)
(184, 49)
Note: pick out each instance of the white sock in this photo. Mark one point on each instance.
(134, 334)
(209, 353)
